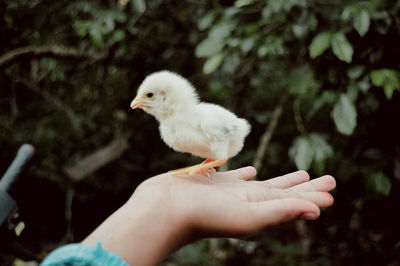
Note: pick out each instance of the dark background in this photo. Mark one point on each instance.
(69, 70)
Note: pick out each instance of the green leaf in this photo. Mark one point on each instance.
(118, 36)
(380, 183)
(341, 47)
(222, 30)
(312, 22)
(276, 5)
(361, 22)
(262, 51)
(139, 5)
(117, 15)
(355, 72)
(302, 152)
(108, 22)
(386, 78)
(209, 47)
(206, 21)
(246, 45)
(349, 11)
(213, 63)
(242, 3)
(319, 44)
(272, 45)
(230, 12)
(378, 77)
(232, 62)
(96, 35)
(352, 92)
(299, 30)
(364, 84)
(251, 29)
(322, 150)
(301, 80)
(345, 115)
(82, 27)
(388, 90)
(327, 97)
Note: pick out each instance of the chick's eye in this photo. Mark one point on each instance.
(149, 95)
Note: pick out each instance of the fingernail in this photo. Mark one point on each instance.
(309, 216)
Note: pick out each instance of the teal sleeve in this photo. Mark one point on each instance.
(80, 254)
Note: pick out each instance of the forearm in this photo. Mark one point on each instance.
(141, 236)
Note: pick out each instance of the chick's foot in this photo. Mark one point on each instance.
(204, 168)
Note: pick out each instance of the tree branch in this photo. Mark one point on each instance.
(73, 118)
(48, 50)
(97, 159)
(297, 116)
(269, 131)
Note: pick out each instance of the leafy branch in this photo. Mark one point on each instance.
(48, 50)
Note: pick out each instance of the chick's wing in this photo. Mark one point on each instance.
(216, 122)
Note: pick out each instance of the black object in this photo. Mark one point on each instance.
(9, 217)
(20, 163)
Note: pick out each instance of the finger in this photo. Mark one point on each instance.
(288, 180)
(244, 173)
(321, 199)
(323, 183)
(273, 212)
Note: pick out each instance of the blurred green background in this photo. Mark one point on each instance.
(318, 80)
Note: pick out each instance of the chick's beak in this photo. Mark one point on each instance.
(138, 103)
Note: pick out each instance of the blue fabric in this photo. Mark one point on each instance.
(80, 254)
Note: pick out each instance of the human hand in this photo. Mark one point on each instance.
(227, 204)
(166, 212)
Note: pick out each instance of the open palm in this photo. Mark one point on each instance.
(230, 204)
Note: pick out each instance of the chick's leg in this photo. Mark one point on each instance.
(207, 161)
(186, 170)
(202, 168)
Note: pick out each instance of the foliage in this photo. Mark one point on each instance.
(338, 60)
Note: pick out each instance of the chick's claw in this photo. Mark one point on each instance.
(211, 169)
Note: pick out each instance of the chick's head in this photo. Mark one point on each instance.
(163, 93)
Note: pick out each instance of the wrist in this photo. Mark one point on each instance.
(147, 235)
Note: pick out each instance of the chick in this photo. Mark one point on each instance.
(188, 125)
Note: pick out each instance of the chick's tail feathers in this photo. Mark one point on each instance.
(245, 126)
(236, 140)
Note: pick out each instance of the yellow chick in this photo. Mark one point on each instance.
(188, 125)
